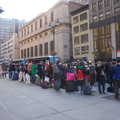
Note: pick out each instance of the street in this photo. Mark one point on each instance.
(22, 101)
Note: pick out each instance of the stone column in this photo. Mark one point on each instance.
(113, 40)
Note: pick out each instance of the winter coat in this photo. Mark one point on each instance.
(99, 77)
(50, 71)
(41, 71)
(84, 70)
(33, 69)
(116, 72)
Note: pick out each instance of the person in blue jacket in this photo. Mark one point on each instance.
(116, 78)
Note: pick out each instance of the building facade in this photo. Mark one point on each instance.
(8, 27)
(104, 28)
(10, 49)
(80, 34)
(83, 2)
(37, 39)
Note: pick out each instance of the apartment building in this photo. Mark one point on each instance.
(8, 27)
(80, 34)
(105, 28)
(49, 32)
(10, 49)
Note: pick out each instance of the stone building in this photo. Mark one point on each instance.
(49, 32)
(10, 49)
(80, 34)
(105, 28)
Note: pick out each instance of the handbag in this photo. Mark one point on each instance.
(102, 73)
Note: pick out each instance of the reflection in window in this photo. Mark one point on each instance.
(76, 29)
(84, 38)
(77, 51)
(75, 20)
(83, 27)
(76, 40)
(85, 49)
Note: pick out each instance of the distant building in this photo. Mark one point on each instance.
(37, 39)
(8, 27)
(80, 34)
(83, 2)
(10, 49)
(105, 28)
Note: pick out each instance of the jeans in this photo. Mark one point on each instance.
(101, 87)
(117, 86)
(12, 75)
(57, 84)
(50, 79)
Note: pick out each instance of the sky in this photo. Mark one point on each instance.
(25, 9)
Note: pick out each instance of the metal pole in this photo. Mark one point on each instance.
(53, 44)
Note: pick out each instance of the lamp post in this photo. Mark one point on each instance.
(52, 26)
(1, 10)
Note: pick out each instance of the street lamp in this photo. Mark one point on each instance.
(52, 26)
(1, 10)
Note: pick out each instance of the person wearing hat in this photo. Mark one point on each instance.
(116, 78)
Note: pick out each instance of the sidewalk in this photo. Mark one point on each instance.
(21, 101)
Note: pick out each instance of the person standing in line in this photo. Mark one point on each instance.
(33, 72)
(22, 73)
(116, 78)
(12, 70)
(106, 69)
(100, 78)
(50, 72)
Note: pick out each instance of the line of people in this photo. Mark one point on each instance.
(107, 73)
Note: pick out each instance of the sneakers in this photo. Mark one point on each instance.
(79, 92)
(116, 97)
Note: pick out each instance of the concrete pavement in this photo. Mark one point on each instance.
(21, 101)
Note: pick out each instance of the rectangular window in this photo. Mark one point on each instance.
(45, 20)
(100, 4)
(21, 53)
(24, 53)
(77, 51)
(76, 40)
(52, 16)
(85, 49)
(101, 17)
(28, 52)
(107, 2)
(76, 29)
(27, 30)
(107, 14)
(75, 20)
(95, 19)
(36, 51)
(83, 16)
(84, 38)
(94, 7)
(46, 48)
(40, 49)
(32, 28)
(117, 11)
(24, 32)
(84, 27)
(40, 23)
(35, 25)
(51, 46)
(31, 51)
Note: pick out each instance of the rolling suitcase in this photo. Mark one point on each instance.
(87, 89)
(70, 86)
(15, 76)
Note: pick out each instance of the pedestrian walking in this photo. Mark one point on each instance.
(116, 78)
(100, 78)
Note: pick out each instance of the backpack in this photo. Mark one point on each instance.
(56, 69)
(23, 68)
(80, 75)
